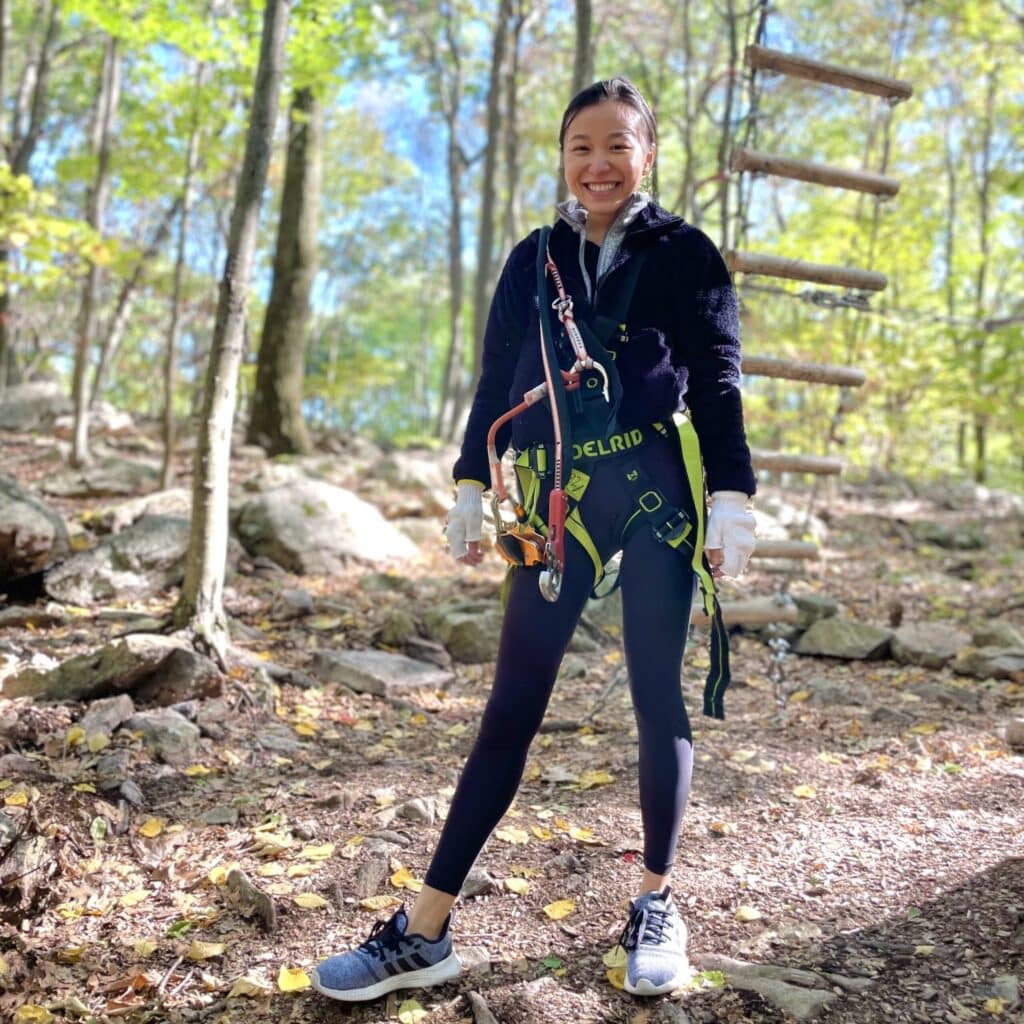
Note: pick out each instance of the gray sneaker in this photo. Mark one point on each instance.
(655, 940)
(389, 959)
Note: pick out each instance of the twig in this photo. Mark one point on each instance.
(170, 971)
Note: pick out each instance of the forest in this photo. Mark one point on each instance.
(247, 254)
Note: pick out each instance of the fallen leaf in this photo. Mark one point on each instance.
(85, 787)
(205, 950)
(152, 827)
(541, 833)
(321, 852)
(74, 736)
(32, 1014)
(144, 947)
(382, 902)
(512, 834)
(924, 950)
(198, 770)
(300, 870)
(19, 798)
(559, 909)
(271, 870)
(799, 696)
(925, 728)
(410, 1012)
(615, 957)
(595, 778)
(723, 828)
(292, 979)
(520, 886)
(804, 792)
(995, 1006)
(747, 913)
(583, 835)
(617, 977)
(98, 741)
(246, 986)
(219, 875)
(310, 901)
(403, 879)
(133, 898)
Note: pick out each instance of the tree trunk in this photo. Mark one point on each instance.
(103, 126)
(582, 67)
(483, 281)
(276, 421)
(123, 306)
(513, 215)
(200, 606)
(174, 328)
(950, 283)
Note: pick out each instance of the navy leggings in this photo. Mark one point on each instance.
(657, 590)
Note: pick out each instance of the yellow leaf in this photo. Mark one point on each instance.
(98, 741)
(924, 950)
(403, 879)
(309, 901)
(418, 719)
(385, 799)
(583, 835)
(292, 979)
(219, 874)
(321, 852)
(617, 977)
(382, 902)
(747, 913)
(305, 728)
(198, 770)
(152, 827)
(134, 897)
(19, 798)
(322, 764)
(804, 792)
(32, 1014)
(826, 758)
(271, 870)
(995, 1006)
(925, 728)
(615, 957)
(742, 756)
(5, 784)
(75, 736)
(144, 947)
(279, 889)
(410, 1012)
(541, 833)
(85, 787)
(512, 834)
(205, 950)
(595, 778)
(559, 909)
(323, 622)
(300, 870)
(523, 871)
(456, 730)
(520, 886)
(246, 986)
(71, 954)
(800, 696)
(229, 757)
(723, 828)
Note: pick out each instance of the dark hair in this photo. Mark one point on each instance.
(618, 88)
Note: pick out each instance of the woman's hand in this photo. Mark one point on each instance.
(729, 539)
(465, 523)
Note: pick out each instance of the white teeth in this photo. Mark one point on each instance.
(603, 187)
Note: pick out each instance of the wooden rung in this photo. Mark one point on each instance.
(785, 549)
(798, 270)
(820, 174)
(781, 462)
(759, 611)
(829, 74)
(792, 369)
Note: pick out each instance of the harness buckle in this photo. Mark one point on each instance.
(675, 528)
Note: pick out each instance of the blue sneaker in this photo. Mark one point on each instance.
(389, 959)
(655, 940)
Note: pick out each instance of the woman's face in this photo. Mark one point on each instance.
(605, 154)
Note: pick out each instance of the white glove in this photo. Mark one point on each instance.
(465, 517)
(731, 530)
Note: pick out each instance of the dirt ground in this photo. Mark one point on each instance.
(879, 839)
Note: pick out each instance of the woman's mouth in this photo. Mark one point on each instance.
(601, 187)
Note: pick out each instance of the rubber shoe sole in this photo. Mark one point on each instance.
(643, 987)
(444, 970)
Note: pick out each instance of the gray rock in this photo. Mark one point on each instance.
(387, 582)
(177, 501)
(131, 792)
(931, 644)
(170, 736)
(40, 618)
(185, 674)
(23, 767)
(419, 809)
(141, 561)
(478, 882)
(967, 537)
(990, 662)
(892, 716)
(292, 603)
(9, 830)
(419, 648)
(997, 633)
(475, 959)
(830, 693)
(32, 406)
(1007, 988)
(814, 607)
(845, 638)
(224, 815)
(397, 627)
(210, 717)
(311, 527)
(107, 476)
(32, 535)
(370, 875)
(469, 630)
(278, 737)
(1014, 733)
(107, 714)
(378, 672)
(947, 695)
(116, 668)
(419, 476)
(112, 769)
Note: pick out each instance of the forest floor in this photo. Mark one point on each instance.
(880, 839)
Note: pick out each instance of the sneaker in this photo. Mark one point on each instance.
(389, 959)
(655, 940)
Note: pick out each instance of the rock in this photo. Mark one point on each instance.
(116, 668)
(420, 809)
(33, 406)
(475, 959)
(1007, 988)
(32, 536)
(419, 648)
(370, 875)
(1014, 734)
(22, 767)
(144, 559)
(112, 769)
(223, 815)
(420, 477)
(845, 638)
(892, 716)
(930, 644)
(107, 714)
(966, 537)
(210, 717)
(131, 792)
(469, 630)
(478, 882)
(292, 603)
(997, 633)
(185, 674)
(111, 475)
(829, 692)
(378, 672)
(170, 736)
(990, 662)
(397, 627)
(814, 607)
(948, 695)
(177, 501)
(278, 737)
(315, 528)
(9, 829)
(104, 419)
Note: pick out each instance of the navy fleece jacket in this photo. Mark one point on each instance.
(681, 348)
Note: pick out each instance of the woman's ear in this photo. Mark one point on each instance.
(649, 159)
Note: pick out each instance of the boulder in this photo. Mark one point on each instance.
(378, 672)
(813, 607)
(311, 527)
(110, 475)
(997, 633)
(107, 714)
(990, 662)
(104, 419)
(930, 644)
(140, 561)
(954, 537)
(32, 535)
(32, 406)
(174, 502)
(845, 638)
(469, 630)
(169, 735)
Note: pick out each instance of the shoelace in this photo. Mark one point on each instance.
(649, 925)
(383, 936)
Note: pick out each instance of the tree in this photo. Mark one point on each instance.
(276, 421)
(200, 605)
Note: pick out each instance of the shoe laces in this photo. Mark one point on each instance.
(649, 925)
(384, 937)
